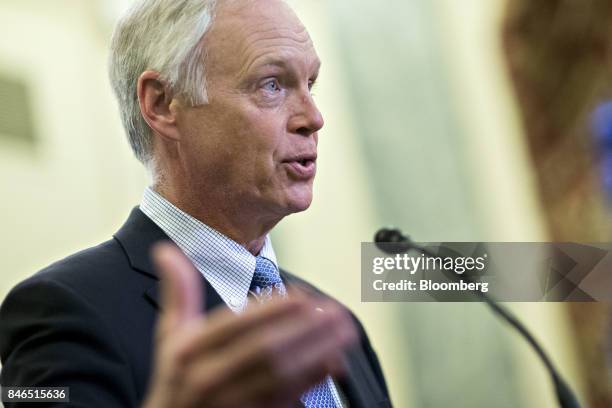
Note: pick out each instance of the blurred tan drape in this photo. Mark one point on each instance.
(558, 53)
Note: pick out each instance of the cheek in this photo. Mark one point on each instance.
(262, 135)
(238, 141)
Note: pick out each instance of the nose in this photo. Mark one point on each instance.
(307, 118)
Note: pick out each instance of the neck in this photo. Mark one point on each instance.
(223, 215)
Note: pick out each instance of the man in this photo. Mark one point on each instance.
(215, 98)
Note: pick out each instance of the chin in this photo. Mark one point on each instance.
(298, 200)
(299, 206)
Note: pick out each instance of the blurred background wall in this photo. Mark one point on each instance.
(423, 130)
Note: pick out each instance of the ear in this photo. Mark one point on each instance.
(156, 105)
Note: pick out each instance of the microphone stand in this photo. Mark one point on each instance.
(401, 243)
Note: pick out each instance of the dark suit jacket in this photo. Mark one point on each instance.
(87, 322)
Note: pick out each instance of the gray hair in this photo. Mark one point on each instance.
(163, 36)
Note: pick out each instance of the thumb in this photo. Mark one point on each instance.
(181, 287)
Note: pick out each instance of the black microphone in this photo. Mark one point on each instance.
(396, 242)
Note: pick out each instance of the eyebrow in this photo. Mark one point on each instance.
(278, 62)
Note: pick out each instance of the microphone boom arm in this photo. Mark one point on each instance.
(402, 243)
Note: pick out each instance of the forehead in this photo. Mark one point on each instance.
(248, 33)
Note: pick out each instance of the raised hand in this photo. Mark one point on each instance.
(266, 356)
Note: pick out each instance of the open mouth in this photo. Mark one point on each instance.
(302, 168)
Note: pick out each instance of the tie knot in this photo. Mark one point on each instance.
(266, 278)
(266, 273)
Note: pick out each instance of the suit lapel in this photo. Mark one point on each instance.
(360, 385)
(212, 298)
(137, 236)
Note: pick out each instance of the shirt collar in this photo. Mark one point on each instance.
(225, 264)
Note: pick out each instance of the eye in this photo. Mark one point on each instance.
(312, 84)
(271, 85)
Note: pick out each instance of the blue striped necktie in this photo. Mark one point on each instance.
(266, 284)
